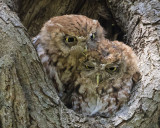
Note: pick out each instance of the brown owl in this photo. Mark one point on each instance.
(105, 78)
(62, 40)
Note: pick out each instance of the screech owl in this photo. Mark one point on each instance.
(105, 78)
(62, 40)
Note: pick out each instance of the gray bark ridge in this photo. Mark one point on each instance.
(140, 20)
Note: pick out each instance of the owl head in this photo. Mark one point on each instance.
(70, 34)
(106, 78)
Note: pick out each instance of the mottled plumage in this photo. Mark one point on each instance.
(93, 76)
(105, 78)
(61, 42)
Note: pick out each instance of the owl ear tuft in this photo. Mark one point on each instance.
(136, 77)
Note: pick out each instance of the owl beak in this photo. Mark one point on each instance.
(84, 52)
(97, 77)
(85, 49)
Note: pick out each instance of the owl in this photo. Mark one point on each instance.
(105, 77)
(61, 42)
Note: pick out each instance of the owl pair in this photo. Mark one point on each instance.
(91, 74)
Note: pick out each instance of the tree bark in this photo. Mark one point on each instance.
(35, 14)
(140, 20)
(28, 98)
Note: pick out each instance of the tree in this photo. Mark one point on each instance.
(28, 98)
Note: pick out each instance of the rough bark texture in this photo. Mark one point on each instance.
(140, 20)
(35, 14)
(28, 98)
(12, 4)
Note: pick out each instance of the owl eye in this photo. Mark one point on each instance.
(111, 69)
(89, 67)
(70, 40)
(92, 36)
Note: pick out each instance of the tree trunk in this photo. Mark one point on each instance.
(28, 98)
(140, 20)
